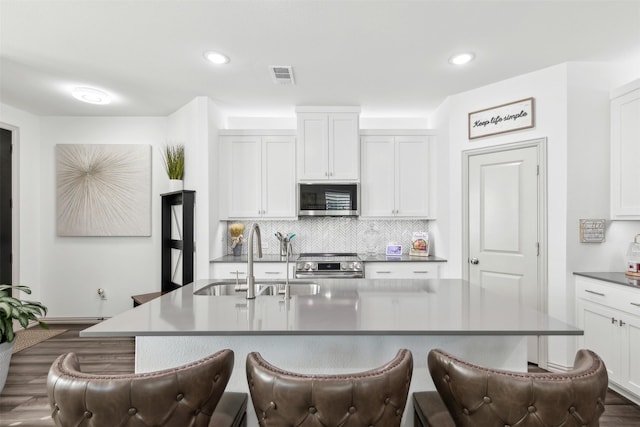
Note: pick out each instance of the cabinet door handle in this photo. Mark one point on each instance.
(271, 272)
(635, 303)
(594, 292)
(621, 323)
(613, 320)
(420, 271)
(236, 272)
(383, 272)
(326, 174)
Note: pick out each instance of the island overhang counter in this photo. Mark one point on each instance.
(337, 326)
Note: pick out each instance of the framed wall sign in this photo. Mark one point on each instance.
(515, 115)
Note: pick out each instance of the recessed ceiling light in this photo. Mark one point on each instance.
(461, 59)
(216, 57)
(90, 95)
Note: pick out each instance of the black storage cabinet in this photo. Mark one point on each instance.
(186, 244)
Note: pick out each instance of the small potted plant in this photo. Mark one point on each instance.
(174, 165)
(13, 309)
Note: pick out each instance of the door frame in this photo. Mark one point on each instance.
(541, 145)
(15, 197)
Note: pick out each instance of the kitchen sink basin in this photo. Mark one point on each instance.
(263, 287)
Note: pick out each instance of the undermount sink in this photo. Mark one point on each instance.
(263, 287)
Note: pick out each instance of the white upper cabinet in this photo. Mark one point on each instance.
(257, 178)
(625, 152)
(397, 176)
(328, 146)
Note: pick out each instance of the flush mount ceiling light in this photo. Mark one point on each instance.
(90, 95)
(216, 57)
(462, 58)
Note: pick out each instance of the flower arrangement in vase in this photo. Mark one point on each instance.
(237, 238)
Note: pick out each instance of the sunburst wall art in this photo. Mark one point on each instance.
(103, 190)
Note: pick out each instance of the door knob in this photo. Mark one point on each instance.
(474, 261)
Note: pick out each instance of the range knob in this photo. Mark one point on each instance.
(308, 266)
(356, 266)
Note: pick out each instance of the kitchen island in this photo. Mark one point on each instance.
(335, 326)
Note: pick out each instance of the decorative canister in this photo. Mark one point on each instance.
(633, 257)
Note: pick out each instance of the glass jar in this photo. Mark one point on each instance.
(371, 239)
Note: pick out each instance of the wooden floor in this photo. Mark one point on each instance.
(23, 401)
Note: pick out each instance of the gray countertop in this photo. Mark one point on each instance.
(363, 257)
(612, 277)
(340, 307)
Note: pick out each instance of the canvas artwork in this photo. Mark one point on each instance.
(103, 190)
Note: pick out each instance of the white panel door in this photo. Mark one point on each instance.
(344, 151)
(377, 190)
(601, 334)
(503, 225)
(412, 176)
(631, 353)
(313, 146)
(244, 192)
(625, 152)
(279, 179)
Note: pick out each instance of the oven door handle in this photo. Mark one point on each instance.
(350, 275)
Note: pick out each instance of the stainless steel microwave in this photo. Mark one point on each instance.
(327, 199)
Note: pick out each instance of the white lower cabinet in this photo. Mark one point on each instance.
(609, 314)
(401, 270)
(261, 270)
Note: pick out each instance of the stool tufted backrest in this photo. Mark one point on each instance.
(372, 398)
(176, 397)
(481, 397)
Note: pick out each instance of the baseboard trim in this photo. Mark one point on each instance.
(556, 367)
(73, 320)
(625, 393)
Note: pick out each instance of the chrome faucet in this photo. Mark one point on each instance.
(287, 288)
(251, 280)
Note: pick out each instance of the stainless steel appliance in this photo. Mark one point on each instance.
(328, 199)
(329, 266)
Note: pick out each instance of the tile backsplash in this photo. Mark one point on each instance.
(329, 234)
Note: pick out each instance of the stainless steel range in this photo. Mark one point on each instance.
(329, 266)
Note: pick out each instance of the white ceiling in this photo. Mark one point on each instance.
(389, 57)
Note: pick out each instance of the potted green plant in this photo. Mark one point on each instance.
(174, 165)
(14, 309)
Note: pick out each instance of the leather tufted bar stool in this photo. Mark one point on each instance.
(476, 396)
(189, 395)
(372, 398)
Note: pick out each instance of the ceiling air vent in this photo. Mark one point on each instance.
(282, 74)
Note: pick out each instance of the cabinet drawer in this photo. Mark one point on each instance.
(261, 270)
(401, 270)
(227, 270)
(610, 294)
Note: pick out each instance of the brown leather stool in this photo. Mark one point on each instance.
(191, 394)
(372, 398)
(475, 396)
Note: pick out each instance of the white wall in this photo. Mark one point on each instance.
(572, 112)
(73, 268)
(27, 261)
(218, 229)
